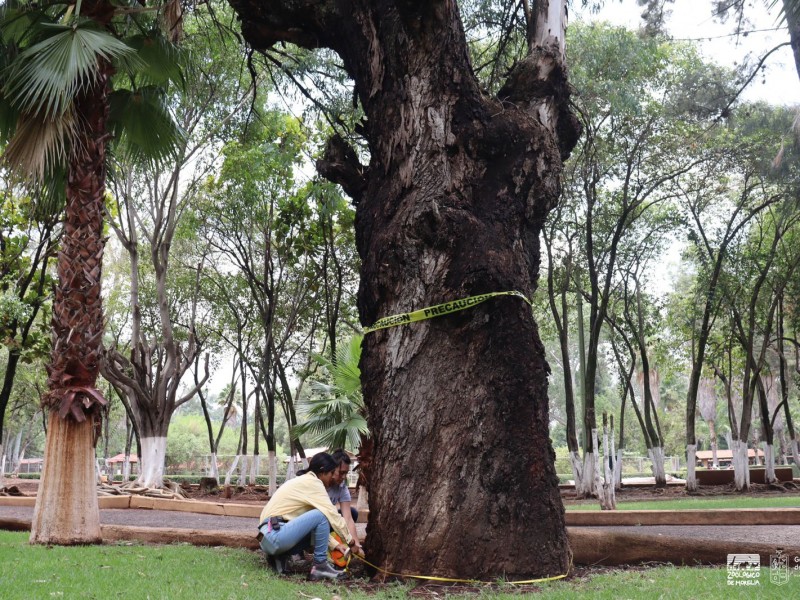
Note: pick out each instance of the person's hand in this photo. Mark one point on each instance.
(357, 549)
(342, 548)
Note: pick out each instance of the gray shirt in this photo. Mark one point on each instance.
(339, 493)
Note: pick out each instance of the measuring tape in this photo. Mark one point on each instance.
(439, 310)
(451, 580)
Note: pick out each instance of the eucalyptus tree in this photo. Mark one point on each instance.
(707, 405)
(273, 236)
(450, 205)
(560, 270)
(719, 205)
(783, 375)
(769, 259)
(61, 105)
(643, 103)
(635, 315)
(150, 222)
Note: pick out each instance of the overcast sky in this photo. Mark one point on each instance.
(693, 19)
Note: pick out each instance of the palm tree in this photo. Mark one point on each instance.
(58, 111)
(334, 413)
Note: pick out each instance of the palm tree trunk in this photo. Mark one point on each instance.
(66, 509)
(66, 506)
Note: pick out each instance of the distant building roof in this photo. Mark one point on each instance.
(310, 452)
(724, 454)
(121, 458)
(31, 461)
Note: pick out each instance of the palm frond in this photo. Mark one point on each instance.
(39, 144)
(160, 61)
(47, 77)
(143, 126)
(334, 414)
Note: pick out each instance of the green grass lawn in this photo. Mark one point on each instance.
(699, 503)
(187, 572)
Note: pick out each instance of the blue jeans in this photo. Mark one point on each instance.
(293, 536)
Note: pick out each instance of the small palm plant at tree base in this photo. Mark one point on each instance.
(56, 89)
(334, 412)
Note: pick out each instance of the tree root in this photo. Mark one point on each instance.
(170, 491)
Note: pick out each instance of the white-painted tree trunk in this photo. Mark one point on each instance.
(608, 499)
(2, 464)
(362, 504)
(713, 434)
(273, 473)
(587, 488)
(151, 462)
(242, 479)
(796, 452)
(691, 460)
(741, 470)
(618, 470)
(598, 470)
(231, 470)
(577, 469)
(15, 457)
(656, 454)
(254, 469)
(290, 469)
(126, 468)
(213, 469)
(769, 463)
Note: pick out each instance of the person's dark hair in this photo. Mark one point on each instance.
(340, 456)
(322, 462)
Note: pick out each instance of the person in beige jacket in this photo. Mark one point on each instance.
(301, 509)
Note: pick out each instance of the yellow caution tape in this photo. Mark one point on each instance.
(470, 581)
(439, 310)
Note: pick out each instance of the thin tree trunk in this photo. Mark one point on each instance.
(741, 466)
(608, 500)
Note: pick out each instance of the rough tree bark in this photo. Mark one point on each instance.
(66, 510)
(450, 205)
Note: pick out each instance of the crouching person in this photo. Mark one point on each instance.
(301, 509)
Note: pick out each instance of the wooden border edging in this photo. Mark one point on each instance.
(207, 508)
(17, 500)
(707, 516)
(162, 535)
(591, 547)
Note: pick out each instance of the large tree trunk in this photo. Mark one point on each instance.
(151, 462)
(451, 205)
(66, 509)
(66, 505)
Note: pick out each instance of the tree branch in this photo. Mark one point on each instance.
(340, 165)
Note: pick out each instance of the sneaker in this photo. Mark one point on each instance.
(325, 570)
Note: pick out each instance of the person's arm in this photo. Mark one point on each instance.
(318, 498)
(351, 526)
